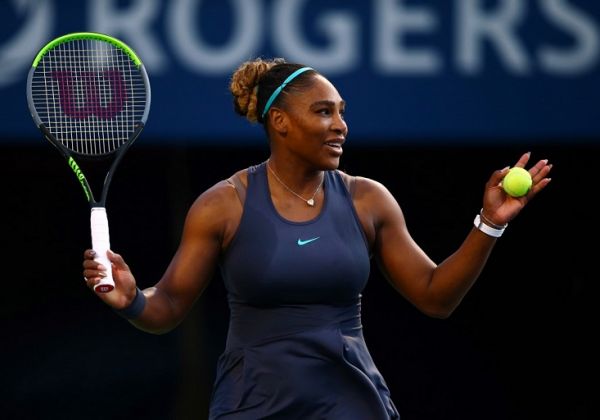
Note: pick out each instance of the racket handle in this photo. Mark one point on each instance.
(101, 244)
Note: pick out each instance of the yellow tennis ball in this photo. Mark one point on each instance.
(517, 182)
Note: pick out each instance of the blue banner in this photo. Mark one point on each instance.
(435, 71)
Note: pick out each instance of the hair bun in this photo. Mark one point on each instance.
(244, 85)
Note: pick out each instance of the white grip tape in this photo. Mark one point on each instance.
(101, 244)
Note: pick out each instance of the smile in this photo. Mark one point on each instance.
(334, 147)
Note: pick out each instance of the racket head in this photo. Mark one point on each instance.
(89, 93)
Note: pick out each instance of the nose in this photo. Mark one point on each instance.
(339, 124)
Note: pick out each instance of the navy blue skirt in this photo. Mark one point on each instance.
(321, 369)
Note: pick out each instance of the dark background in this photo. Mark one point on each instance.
(519, 347)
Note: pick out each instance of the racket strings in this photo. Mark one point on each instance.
(90, 95)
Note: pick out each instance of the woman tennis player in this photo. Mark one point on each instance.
(293, 237)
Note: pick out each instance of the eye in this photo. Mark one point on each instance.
(324, 111)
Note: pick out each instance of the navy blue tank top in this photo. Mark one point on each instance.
(295, 348)
(272, 260)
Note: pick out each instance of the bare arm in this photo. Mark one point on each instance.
(190, 270)
(434, 289)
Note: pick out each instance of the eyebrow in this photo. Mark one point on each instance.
(326, 102)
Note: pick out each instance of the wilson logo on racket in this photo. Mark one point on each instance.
(80, 94)
(80, 176)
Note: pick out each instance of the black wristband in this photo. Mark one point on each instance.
(135, 308)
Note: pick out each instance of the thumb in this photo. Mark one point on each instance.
(117, 260)
(498, 175)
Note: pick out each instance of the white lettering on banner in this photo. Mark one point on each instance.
(479, 29)
(584, 55)
(473, 27)
(203, 58)
(18, 53)
(392, 20)
(341, 55)
(133, 25)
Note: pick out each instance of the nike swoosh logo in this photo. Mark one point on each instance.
(302, 243)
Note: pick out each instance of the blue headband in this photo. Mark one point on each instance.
(280, 88)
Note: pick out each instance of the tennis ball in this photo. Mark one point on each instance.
(517, 182)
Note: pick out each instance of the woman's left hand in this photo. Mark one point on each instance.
(499, 207)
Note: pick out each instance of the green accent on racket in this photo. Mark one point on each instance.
(81, 177)
(83, 36)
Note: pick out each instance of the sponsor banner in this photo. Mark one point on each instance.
(449, 71)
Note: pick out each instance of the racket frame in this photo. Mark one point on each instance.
(98, 219)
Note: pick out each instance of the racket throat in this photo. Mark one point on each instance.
(81, 178)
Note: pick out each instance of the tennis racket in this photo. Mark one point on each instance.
(89, 94)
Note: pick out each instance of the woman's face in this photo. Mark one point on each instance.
(317, 128)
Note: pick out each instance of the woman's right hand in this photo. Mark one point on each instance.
(125, 287)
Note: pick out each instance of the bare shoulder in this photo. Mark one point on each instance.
(217, 212)
(368, 185)
(217, 197)
(374, 197)
(216, 205)
(242, 175)
(374, 203)
(362, 187)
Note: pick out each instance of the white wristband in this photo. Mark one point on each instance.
(488, 230)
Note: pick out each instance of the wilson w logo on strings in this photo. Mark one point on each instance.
(86, 94)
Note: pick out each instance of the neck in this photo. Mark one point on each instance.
(308, 199)
(297, 177)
